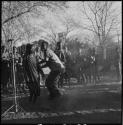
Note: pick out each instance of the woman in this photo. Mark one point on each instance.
(31, 73)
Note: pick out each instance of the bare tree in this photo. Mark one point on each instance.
(16, 15)
(102, 18)
(53, 34)
(68, 22)
(19, 8)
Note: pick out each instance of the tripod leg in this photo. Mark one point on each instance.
(19, 107)
(7, 111)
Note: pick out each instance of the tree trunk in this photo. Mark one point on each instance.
(104, 53)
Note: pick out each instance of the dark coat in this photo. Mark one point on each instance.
(61, 55)
(31, 73)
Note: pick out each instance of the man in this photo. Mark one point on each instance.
(68, 65)
(31, 73)
(82, 69)
(87, 68)
(93, 65)
(52, 61)
(60, 53)
(78, 66)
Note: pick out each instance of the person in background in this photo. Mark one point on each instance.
(52, 61)
(93, 65)
(81, 70)
(60, 53)
(68, 65)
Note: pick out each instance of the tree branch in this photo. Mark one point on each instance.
(108, 30)
(89, 18)
(18, 15)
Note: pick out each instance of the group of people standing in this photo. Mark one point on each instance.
(33, 63)
(61, 65)
(88, 67)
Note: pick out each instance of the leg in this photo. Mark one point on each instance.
(89, 75)
(82, 78)
(30, 91)
(86, 77)
(94, 74)
(51, 83)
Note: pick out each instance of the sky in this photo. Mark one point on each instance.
(56, 20)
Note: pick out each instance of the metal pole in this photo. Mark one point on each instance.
(15, 99)
(15, 88)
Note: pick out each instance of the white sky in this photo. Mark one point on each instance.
(74, 12)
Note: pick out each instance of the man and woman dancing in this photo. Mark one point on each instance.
(33, 65)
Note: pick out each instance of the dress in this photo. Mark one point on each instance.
(31, 74)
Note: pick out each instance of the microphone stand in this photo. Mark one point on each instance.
(15, 106)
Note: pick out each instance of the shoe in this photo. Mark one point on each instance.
(34, 99)
(54, 96)
(30, 99)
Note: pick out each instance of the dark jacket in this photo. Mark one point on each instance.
(61, 55)
(31, 68)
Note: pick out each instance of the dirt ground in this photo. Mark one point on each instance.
(80, 104)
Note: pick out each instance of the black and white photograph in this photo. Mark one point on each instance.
(61, 62)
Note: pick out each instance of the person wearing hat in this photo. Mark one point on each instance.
(52, 61)
(31, 73)
(60, 53)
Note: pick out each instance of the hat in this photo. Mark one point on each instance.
(44, 40)
(58, 43)
(28, 48)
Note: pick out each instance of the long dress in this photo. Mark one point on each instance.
(31, 74)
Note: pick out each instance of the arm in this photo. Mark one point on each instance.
(42, 61)
(45, 65)
(41, 72)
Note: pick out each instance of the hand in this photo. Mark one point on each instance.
(63, 70)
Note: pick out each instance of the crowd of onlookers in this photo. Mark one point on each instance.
(83, 67)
